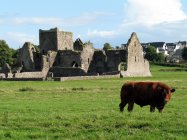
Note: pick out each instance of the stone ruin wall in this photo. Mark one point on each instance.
(2, 75)
(48, 40)
(107, 61)
(29, 75)
(136, 64)
(64, 40)
(26, 57)
(67, 71)
(98, 62)
(87, 56)
(68, 58)
(76, 59)
(48, 61)
(114, 59)
(59, 57)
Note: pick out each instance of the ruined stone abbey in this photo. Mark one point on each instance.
(60, 56)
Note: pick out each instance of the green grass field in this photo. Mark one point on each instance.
(88, 109)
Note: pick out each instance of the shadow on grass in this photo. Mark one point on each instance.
(26, 89)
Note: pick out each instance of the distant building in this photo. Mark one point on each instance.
(176, 55)
(123, 46)
(161, 47)
(172, 47)
(182, 44)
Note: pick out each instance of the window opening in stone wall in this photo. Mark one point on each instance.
(88, 61)
(43, 52)
(74, 64)
(134, 44)
(135, 58)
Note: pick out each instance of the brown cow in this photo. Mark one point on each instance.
(155, 94)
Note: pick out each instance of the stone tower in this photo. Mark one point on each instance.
(55, 40)
(136, 64)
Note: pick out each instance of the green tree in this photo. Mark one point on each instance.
(150, 53)
(159, 57)
(6, 54)
(153, 56)
(184, 53)
(15, 55)
(107, 46)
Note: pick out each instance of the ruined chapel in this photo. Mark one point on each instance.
(60, 56)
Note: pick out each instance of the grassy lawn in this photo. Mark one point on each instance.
(88, 109)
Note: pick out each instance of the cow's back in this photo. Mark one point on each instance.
(142, 93)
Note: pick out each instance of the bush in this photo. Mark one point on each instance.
(170, 64)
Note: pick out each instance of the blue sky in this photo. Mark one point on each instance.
(98, 21)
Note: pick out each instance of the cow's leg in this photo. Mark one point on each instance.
(152, 108)
(160, 109)
(122, 105)
(130, 106)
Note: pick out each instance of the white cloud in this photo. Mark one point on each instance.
(103, 34)
(83, 19)
(21, 38)
(153, 20)
(152, 12)
(35, 20)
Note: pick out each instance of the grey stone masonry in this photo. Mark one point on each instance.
(136, 64)
(59, 56)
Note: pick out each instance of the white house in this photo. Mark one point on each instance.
(161, 47)
(172, 47)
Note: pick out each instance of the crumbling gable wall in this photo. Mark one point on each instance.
(26, 57)
(64, 40)
(87, 56)
(78, 45)
(136, 64)
(48, 61)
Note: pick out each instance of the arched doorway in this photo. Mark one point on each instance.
(122, 66)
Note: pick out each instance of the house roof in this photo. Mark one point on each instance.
(171, 44)
(182, 42)
(157, 44)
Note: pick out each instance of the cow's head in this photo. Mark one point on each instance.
(166, 93)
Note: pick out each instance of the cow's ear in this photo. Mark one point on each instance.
(172, 90)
